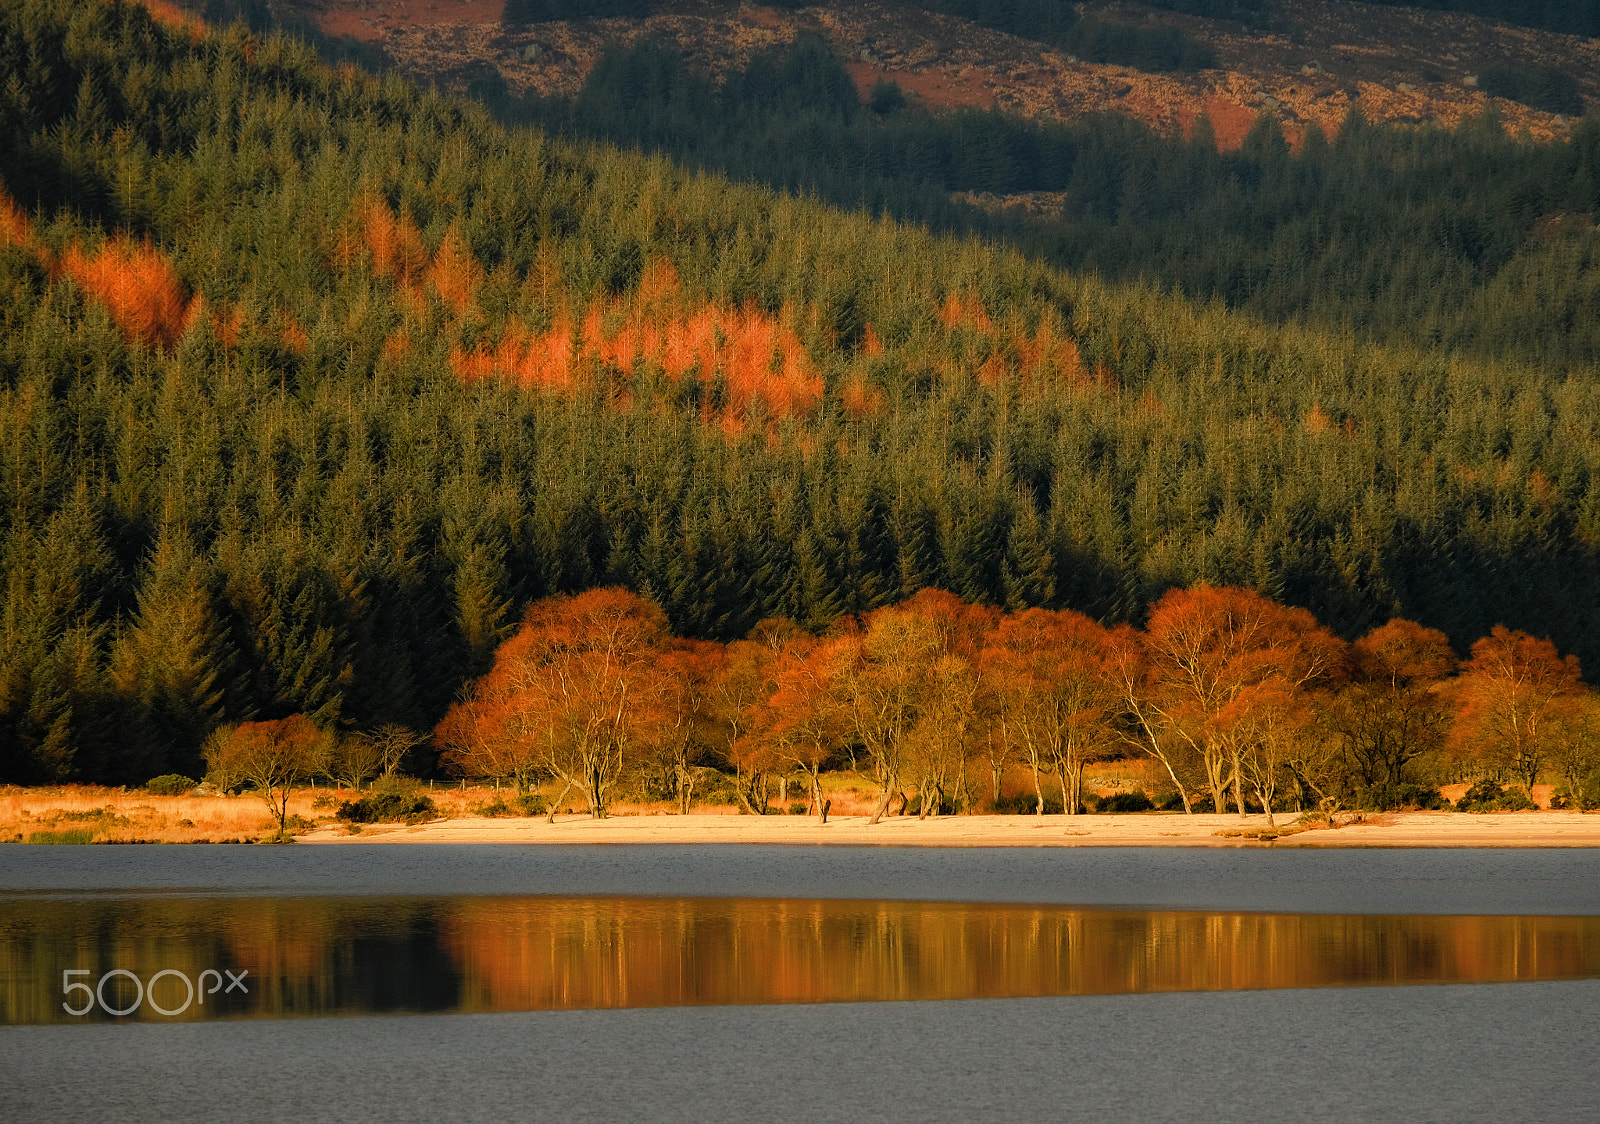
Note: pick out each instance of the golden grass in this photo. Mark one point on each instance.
(99, 814)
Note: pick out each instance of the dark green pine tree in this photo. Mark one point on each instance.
(483, 615)
(173, 666)
(817, 600)
(1028, 572)
(289, 628)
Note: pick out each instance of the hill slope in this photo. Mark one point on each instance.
(310, 380)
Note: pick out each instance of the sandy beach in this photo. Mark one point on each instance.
(1397, 829)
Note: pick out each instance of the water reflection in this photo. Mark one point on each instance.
(321, 956)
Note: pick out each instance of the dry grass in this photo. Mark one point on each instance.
(97, 814)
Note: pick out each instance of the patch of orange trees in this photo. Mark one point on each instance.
(1241, 700)
(730, 364)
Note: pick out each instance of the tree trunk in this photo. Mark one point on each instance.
(550, 808)
(883, 803)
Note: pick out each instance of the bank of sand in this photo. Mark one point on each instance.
(1398, 829)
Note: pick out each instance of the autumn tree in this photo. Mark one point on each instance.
(1211, 650)
(955, 700)
(1148, 726)
(1575, 747)
(909, 698)
(1268, 723)
(271, 757)
(569, 693)
(352, 760)
(739, 698)
(882, 689)
(680, 724)
(803, 720)
(1512, 692)
(359, 756)
(1395, 707)
(1049, 672)
(394, 742)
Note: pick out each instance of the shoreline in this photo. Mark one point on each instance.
(1392, 829)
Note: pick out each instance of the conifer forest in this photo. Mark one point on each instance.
(323, 394)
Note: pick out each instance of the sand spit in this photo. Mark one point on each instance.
(1399, 829)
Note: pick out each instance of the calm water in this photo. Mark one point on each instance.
(743, 982)
(165, 957)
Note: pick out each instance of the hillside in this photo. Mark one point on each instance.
(311, 380)
(1314, 60)
(1429, 224)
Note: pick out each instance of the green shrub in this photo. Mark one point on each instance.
(531, 804)
(1584, 798)
(1390, 797)
(1490, 796)
(75, 836)
(170, 784)
(1135, 801)
(887, 96)
(1023, 804)
(388, 807)
(1170, 802)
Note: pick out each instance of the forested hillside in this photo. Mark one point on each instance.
(310, 381)
(1464, 238)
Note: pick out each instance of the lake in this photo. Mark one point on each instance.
(751, 981)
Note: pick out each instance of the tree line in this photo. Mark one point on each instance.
(1237, 698)
(312, 381)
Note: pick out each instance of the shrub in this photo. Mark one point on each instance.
(1585, 797)
(170, 784)
(1390, 797)
(887, 96)
(1023, 804)
(388, 807)
(75, 836)
(531, 804)
(1489, 796)
(492, 809)
(1135, 801)
(797, 809)
(1170, 802)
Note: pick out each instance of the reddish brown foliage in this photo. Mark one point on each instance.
(744, 358)
(137, 284)
(570, 694)
(1512, 692)
(166, 12)
(15, 227)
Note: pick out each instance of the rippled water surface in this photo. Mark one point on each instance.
(743, 982)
